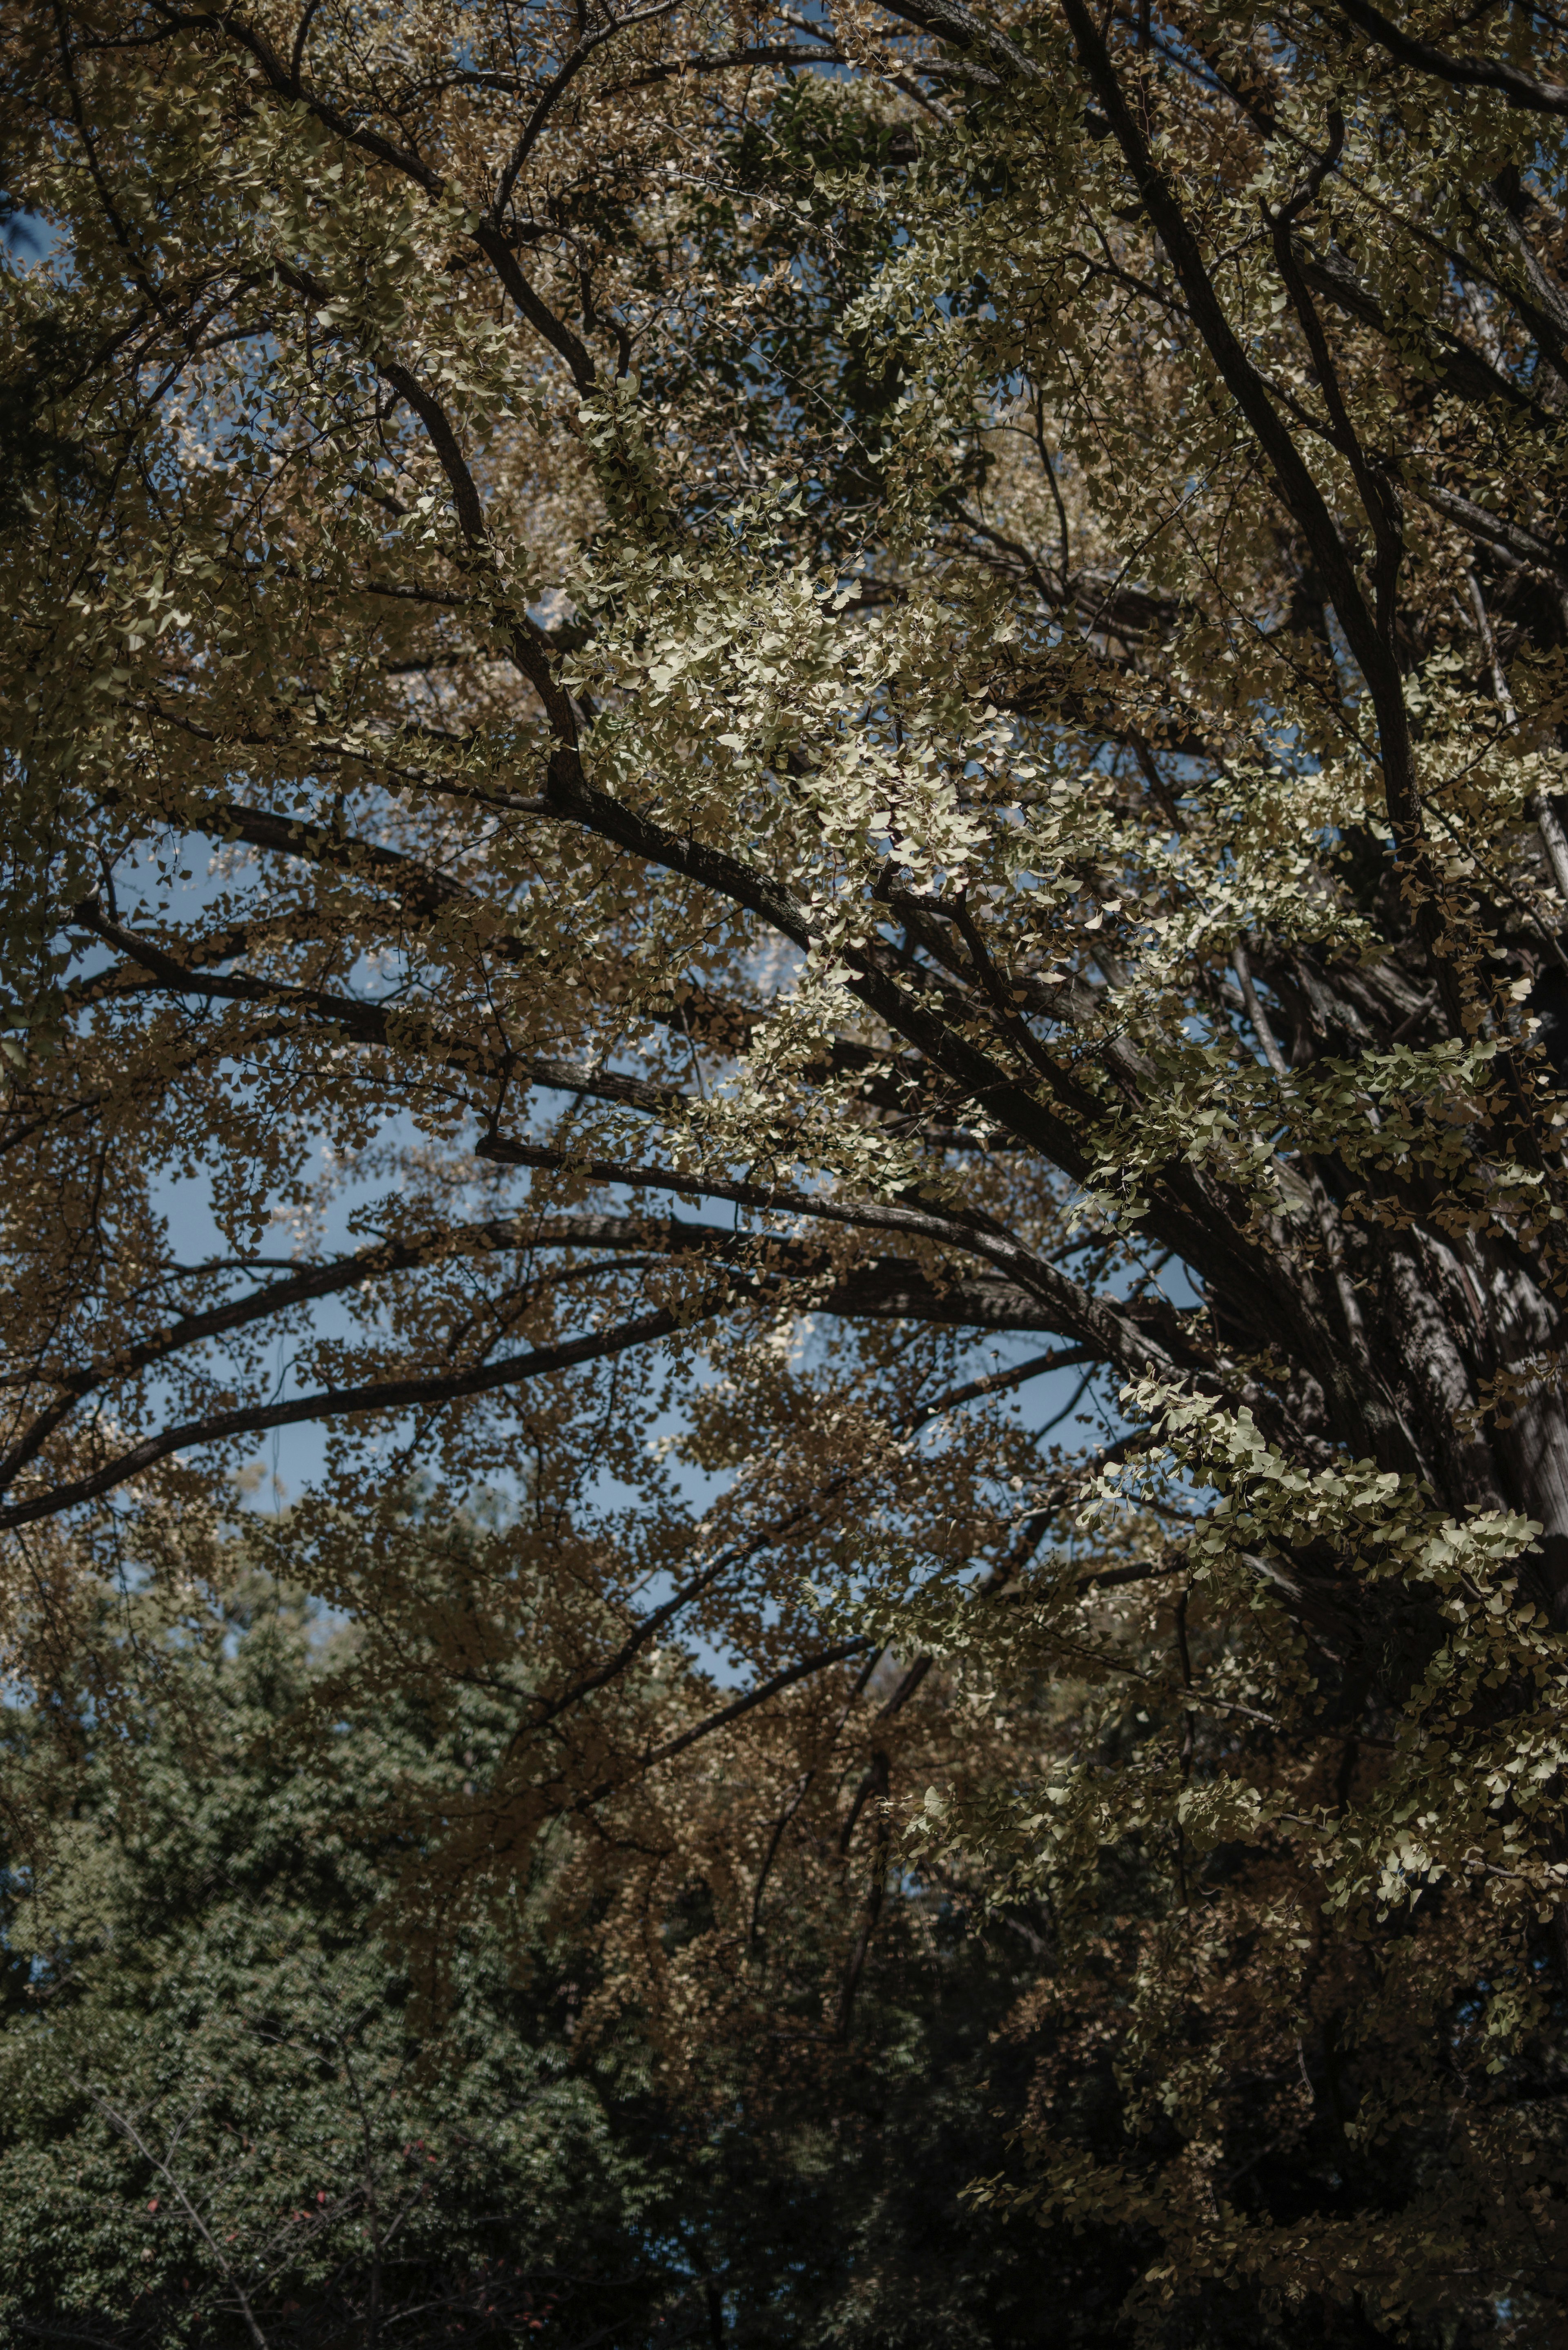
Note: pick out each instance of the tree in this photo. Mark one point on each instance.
(216, 2124)
(938, 639)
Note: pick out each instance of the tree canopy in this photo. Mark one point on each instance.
(810, 760)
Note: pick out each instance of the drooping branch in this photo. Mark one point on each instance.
(1076, 1311)
(422, 894)
(384, 1024)
(885, 1288)
(335, 1403)
(813, 1505)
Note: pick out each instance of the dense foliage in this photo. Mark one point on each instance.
(217, 2126)
(807, 764)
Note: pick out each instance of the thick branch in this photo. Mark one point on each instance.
(1302, 497)
(1109, 1331)
(885, 1288)
(1463, 73)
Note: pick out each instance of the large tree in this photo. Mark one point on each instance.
(817, 712)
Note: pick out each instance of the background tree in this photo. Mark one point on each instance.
(939, 640)
(216, 2125)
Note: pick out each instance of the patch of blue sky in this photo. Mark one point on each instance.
(26, 238)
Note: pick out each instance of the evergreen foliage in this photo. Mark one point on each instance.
(221, 2121)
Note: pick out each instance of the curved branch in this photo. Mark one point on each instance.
(423, 893)
(736, 1555)
(1109, 1331)
(776, 53)
(951, 21)
(1463, 73)
(373, 1024)
(887, 1288)
(334, 1403)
